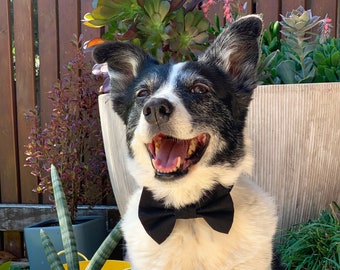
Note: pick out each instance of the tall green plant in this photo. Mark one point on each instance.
(314, 244)
(68, 238)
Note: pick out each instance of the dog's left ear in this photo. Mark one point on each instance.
(124, 62)
(236, 51)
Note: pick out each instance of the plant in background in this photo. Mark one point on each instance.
(72, 139)
(315, 244)
(68, 237)
(166, 29)
(294, 61)
(327, 61)
(270, 46)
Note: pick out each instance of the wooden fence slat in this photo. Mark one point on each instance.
(69, 24)
(12, 243)
(328, 7)
(25, 88)
(88, 32)
(48, 54)
(8, 151)
(289, 5)
(263, 6)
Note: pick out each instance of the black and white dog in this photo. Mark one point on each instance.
(188, 152)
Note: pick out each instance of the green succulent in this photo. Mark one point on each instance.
(297, 26)
(327, 61)
(188, 33)
(167, 29)
(270, 46)
(291, 58)
(68, 237)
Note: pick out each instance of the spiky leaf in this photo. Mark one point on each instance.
(106, 248)
(51, 254)
(64, 217)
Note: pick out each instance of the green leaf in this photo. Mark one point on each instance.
(286, 71)
(106, 248)
(64, 217)
(319, 58)
(164, 8)
(103, 13)
(5, 266)
(51, 254)
(330, 75)
(335, 59)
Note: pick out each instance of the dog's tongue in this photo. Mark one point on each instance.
(169, 150)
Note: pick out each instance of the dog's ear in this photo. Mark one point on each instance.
(236, 51)
(124, 62)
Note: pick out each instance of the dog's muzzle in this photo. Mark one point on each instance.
(171, 157)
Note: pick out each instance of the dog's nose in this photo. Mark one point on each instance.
(157, 110)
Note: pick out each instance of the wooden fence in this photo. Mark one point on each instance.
(45, 28)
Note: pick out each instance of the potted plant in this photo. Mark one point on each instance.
(72, 141)
(100, 258)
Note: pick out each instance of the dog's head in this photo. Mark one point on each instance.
(185, 121)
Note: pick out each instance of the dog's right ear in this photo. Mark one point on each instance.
(124, 62)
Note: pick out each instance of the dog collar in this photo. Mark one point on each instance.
(216, 207)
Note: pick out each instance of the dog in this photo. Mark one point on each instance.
(195, 207)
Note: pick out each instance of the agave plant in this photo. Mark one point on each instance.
(68, 238)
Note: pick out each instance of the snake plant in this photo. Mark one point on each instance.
(68, 238)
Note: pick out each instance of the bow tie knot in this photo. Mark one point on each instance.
(216, 207)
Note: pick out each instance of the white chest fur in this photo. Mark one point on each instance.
(194, 245)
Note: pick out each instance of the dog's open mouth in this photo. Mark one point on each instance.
(172, 158)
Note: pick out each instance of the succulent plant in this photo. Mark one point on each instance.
(297, 27)
(68, 237)
(293, 61)
(327, 61)
(167, 29)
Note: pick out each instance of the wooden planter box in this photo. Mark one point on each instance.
(295, 130)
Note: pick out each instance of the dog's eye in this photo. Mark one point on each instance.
(143, 93)
(200, 88)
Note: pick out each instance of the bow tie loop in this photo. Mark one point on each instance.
(216, 207)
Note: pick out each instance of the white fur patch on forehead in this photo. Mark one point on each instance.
(167, 89)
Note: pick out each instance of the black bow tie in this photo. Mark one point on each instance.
(216, 207)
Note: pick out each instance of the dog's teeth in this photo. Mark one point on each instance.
(157, 146)
(192, 147)
(178, 164)
(153, 163)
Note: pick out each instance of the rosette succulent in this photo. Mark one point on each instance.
(167, 29)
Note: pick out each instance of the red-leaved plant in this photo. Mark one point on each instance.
(72, 139)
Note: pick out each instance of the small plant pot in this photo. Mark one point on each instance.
(90, 232)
